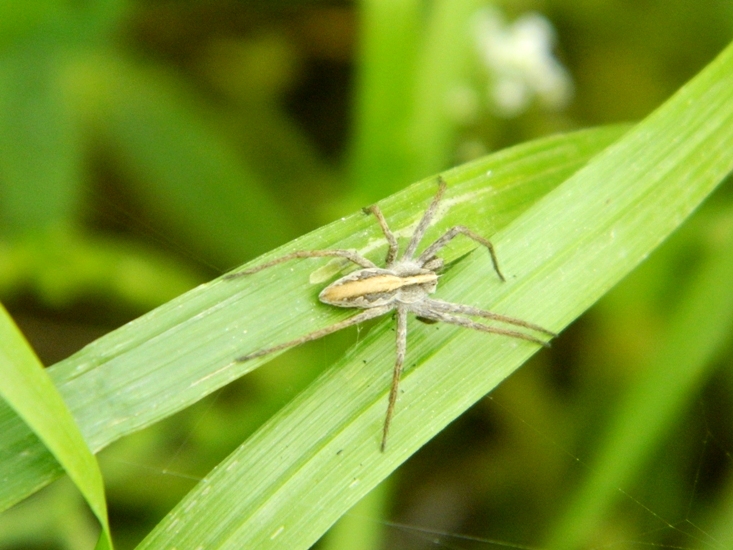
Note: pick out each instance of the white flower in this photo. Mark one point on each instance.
(519, 57)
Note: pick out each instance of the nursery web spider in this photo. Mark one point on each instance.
(404, 285)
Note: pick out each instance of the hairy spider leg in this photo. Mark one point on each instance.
(468, 323)
(401, 345)
(356, 319)
(348, 254)
(430, 309)
(449, 307)
(425, 221)
(391, 239)
(449, 235)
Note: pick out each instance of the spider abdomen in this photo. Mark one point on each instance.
(375, 287)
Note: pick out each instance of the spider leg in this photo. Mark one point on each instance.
(468, 323)
(391, 239)
(425, 221)
(348, 254)
(448, 307)
(397, 372)
(363, 316)
(453, 232)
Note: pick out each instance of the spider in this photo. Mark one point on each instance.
(404, 286)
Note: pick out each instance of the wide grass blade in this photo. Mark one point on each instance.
(290, 481)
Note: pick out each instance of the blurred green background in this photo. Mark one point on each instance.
(147, 147)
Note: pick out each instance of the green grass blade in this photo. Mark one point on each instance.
(290, 481)
(27, 388)
(445, 64)
(182, 351)
(384, 84)
(405, 124)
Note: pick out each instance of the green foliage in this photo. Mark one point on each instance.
(203, 149)
(182, 351)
